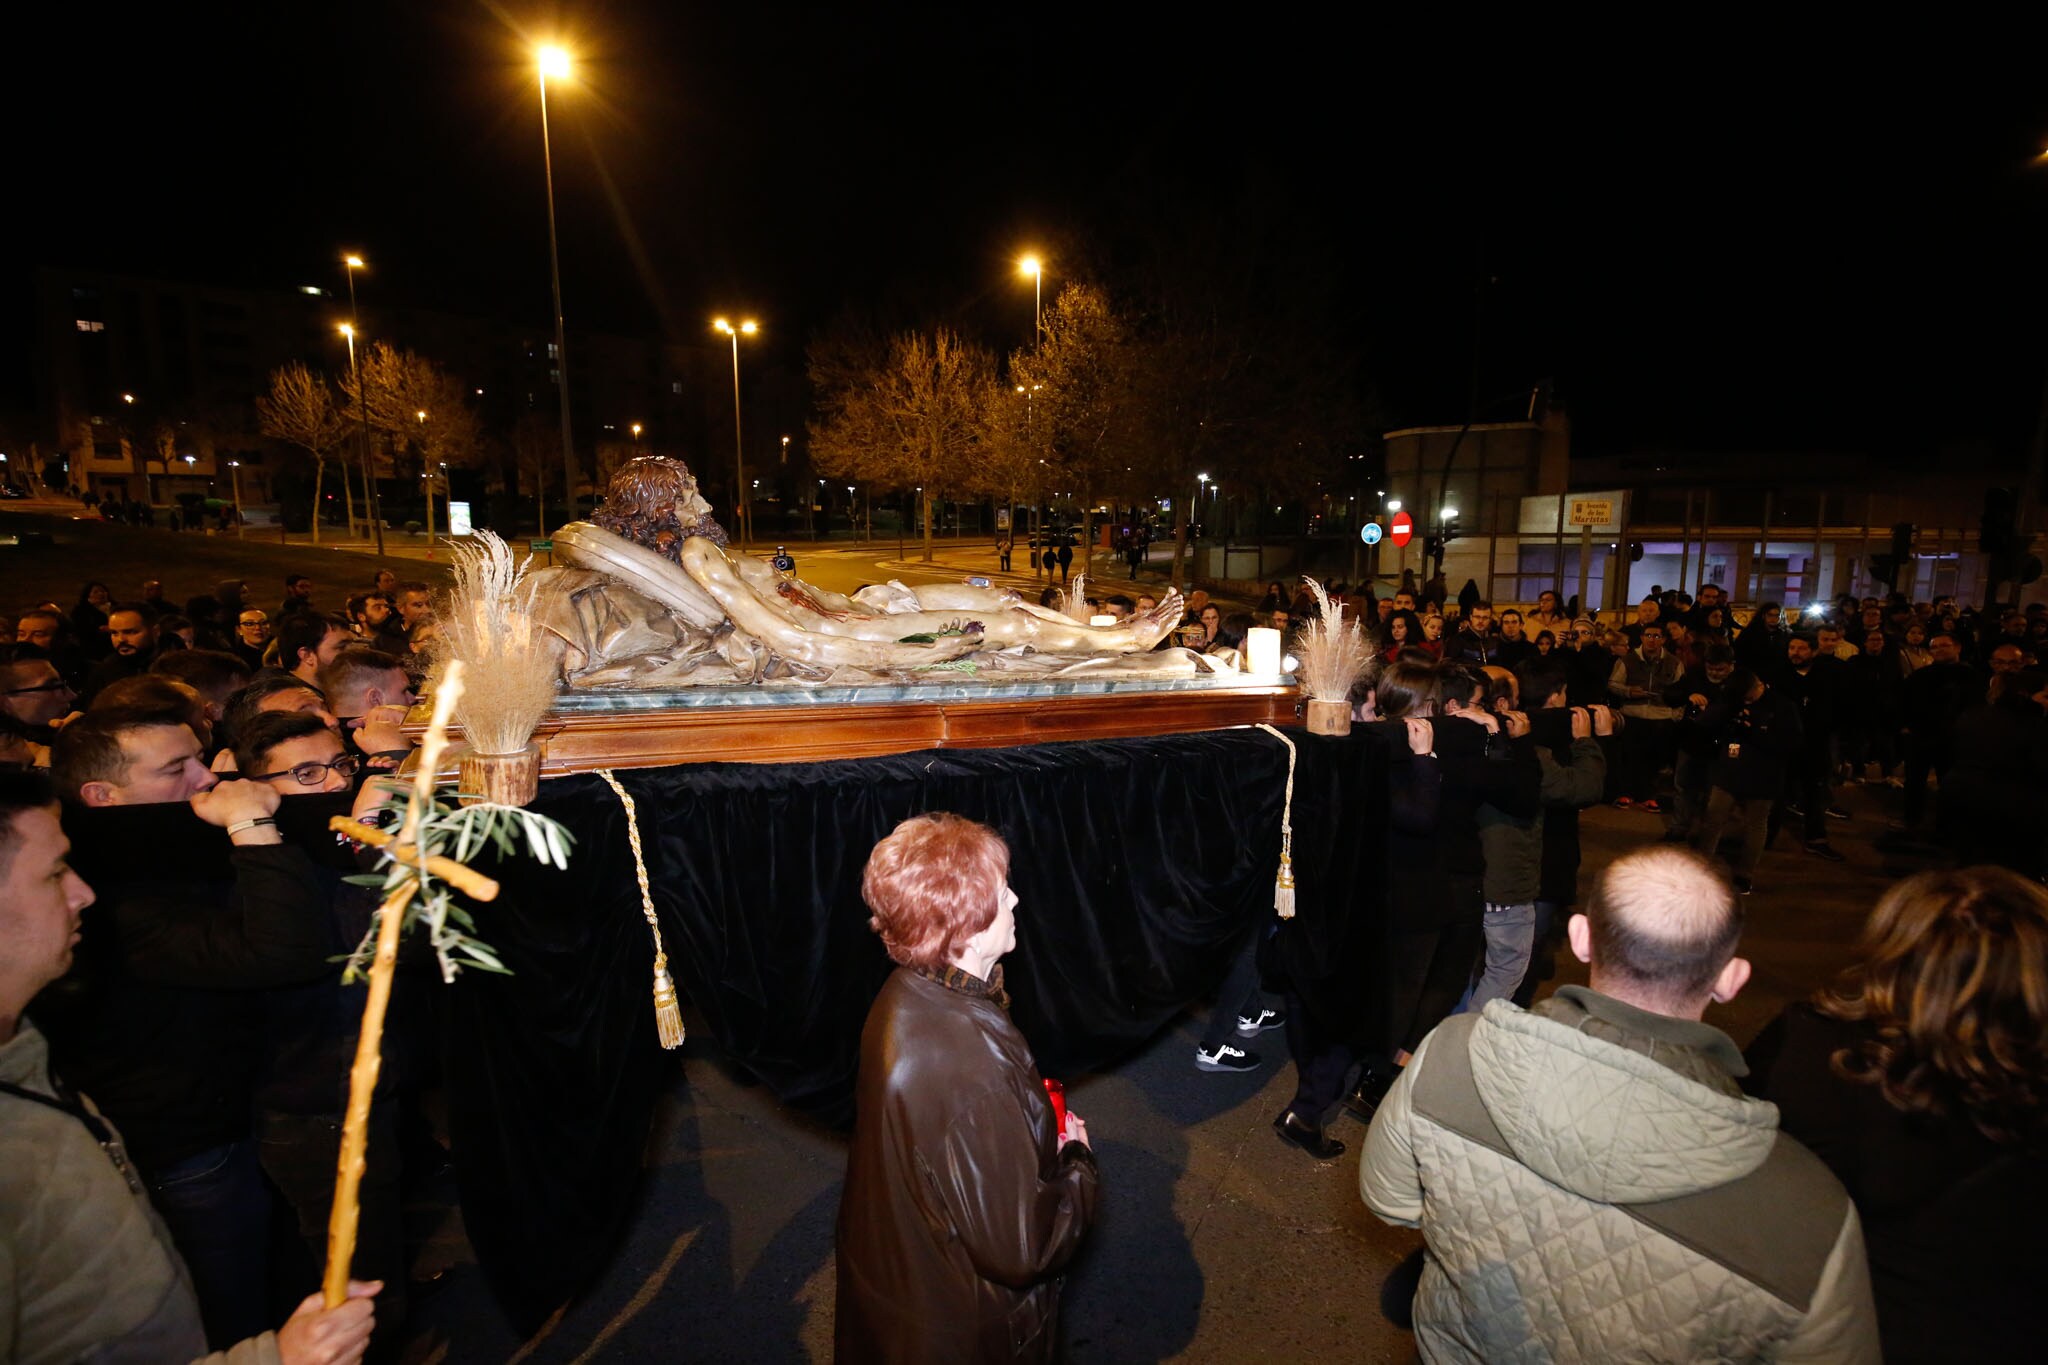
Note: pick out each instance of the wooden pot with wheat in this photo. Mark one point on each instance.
(1334, 653)
(491, 626)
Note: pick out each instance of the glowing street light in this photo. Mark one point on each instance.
(1035, 268)
(739, 464)
(1393, 504)
(128, 398)
(553, 61)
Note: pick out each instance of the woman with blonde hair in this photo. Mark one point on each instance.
(965, 1194)
(1921, 1079)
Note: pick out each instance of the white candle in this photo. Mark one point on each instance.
(1262, 651)
(1102, 620)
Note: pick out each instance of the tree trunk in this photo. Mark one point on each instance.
(348, 496)
(1088, 534)
(319, 477)
(925, 506)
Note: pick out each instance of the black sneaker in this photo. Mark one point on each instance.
(1252, 1025)
(1837, 813)
(1820, 849)
(1225, 1058)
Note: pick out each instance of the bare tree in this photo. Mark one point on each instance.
(300, 411)
(1079, 377)
(912, 418)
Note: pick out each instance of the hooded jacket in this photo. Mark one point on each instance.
(1592, 1185)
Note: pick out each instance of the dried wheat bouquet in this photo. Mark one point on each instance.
(1334, 652)
(510, 662)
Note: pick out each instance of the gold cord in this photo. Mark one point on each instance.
(668, 1014)
(1283, 883)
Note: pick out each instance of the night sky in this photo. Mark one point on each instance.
(1711, 240)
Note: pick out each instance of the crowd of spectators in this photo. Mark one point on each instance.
(203, 1019)
(1606, 1136)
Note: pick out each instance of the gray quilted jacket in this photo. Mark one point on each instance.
(1592, 1185)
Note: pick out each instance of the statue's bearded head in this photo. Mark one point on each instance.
(653, 502)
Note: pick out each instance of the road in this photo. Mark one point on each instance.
(1215, 1240)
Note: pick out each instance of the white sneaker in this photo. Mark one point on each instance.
(1225, 1058)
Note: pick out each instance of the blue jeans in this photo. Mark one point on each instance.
(218, 1210)
(1510, 943)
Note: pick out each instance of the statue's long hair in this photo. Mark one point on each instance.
(640, 504)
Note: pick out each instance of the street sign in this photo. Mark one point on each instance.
(1402, 528)
(1370, 533)
(1591, 512)
(458, 519)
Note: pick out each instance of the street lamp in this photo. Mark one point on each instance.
(1035, 268)
(372, 505)
(426, 477)
(235, 473)
(739, 463)
(363, 410)
(554, 61)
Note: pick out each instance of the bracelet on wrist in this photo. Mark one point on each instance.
(240, 825)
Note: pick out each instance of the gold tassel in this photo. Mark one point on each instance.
(668, 1015)
(1283, 881)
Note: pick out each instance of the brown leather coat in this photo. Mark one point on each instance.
(960, 1207)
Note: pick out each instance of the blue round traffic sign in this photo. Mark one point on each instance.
(1370, 533)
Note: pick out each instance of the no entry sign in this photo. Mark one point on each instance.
(1402, 527)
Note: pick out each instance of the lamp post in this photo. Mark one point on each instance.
(743, 512)
(554, 61)
(636, 438)
(363, 410)
(372, 506)
(235, 473)
(426, 478)
(1035, 268)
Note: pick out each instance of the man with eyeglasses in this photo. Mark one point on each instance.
(295, 753)
(252, 636)
(35, 696)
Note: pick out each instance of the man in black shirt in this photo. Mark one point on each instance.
(1756, 740)
(1813, 681)
(1936, 694)
(134, 640)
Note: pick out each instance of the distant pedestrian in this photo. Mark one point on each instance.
(1066, 556)
(1004, 544)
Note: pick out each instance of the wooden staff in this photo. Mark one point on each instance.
(362, 1077)
(473, 884)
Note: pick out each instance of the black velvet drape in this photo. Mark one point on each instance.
(1140, 865)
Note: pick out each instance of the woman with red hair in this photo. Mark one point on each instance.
(965, 1197)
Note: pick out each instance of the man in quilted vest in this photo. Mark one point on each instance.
(1590, 1181)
